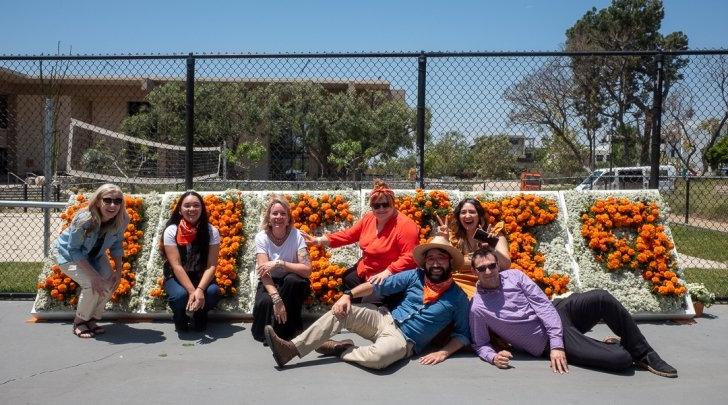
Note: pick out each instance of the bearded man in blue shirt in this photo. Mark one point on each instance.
(432, 302)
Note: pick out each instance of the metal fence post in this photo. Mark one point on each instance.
(687, 199)
(421, 76)
(656, 123)
(190, 121)
(47, 170)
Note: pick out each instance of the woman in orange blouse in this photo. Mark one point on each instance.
(385, 236)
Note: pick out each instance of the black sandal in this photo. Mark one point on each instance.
(86, 333)
(96, 330)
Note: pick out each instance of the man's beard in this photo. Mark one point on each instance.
(438, 278)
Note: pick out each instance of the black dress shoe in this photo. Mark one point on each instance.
(654, 364)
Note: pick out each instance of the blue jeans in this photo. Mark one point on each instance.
(178, 296)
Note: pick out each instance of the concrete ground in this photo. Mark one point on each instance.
(149, 363)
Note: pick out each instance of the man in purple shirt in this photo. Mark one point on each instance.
(511, 305)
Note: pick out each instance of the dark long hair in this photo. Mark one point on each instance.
(458, 227)
(202, 239)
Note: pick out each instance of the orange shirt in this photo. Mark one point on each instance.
(390, 249)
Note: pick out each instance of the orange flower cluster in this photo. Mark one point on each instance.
(308, 212)
(226, 214)
(158, 290)
(422, 208)
(131, 245)
(648, 252)
(326, 282)
(60, 286)
(520, 214)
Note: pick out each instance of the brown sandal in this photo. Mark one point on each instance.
(86, 333)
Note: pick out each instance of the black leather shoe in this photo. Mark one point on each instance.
(654, 364)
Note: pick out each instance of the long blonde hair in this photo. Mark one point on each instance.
(265, 222)
(120, 220)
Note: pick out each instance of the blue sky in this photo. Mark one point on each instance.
(133, 26)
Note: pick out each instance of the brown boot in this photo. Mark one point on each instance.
(283, 350)
(334, 347)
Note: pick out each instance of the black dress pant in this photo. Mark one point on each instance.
(293, 290)
(581, 312)
(351, 279)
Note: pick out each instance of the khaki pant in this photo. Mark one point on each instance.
(90, 305)
(369, 322)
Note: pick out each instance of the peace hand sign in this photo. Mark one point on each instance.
(443, 228)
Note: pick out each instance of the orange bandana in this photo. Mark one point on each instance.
(433, 291)
(186, 233)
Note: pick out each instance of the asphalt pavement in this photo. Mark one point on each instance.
(148, 362)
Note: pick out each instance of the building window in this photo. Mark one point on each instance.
(3, 112)
(136, 107)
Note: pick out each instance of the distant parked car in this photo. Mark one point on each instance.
(628, 178)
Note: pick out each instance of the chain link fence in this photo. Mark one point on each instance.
(472, 121)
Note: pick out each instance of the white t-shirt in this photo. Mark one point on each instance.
(287, 252)
(170, 235)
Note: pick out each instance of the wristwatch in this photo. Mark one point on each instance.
(349, 293)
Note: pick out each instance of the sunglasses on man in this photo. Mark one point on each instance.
(109, 201)
(491, 267)
(377, 206)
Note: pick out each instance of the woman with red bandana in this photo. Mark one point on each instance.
(191, 246)
(385, 236)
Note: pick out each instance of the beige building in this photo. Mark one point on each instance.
(101, 101)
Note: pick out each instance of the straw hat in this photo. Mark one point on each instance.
(439, 242)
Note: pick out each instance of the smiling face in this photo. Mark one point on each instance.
(382, 208)
(109, 205)
(437, 265)
(486, 268)
(191, 209)
(468, 217)
(278, 217)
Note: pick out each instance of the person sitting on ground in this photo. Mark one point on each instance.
(513, 306)
(432, 301)
(283, 268)
(386, 238)
(82, 249)
(191, 245)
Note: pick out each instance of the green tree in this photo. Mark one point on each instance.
(451, 155)
(620, 89)
(223, 113)
(556, 159)
(717, 155)
(493, 158)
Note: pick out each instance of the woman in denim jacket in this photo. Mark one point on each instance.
(82, 255)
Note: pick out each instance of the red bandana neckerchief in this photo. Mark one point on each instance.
(432, 291)
(186, 233)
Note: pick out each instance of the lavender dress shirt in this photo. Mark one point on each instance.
(519, 312)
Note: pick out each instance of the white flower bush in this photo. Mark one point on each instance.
(627, 286)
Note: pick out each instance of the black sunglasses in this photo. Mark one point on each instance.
(377, 206)
(485, 267)
(109, 200)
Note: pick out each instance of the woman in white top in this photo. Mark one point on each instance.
(191, 246)
(283, 268)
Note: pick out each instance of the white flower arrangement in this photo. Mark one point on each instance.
(628, 287)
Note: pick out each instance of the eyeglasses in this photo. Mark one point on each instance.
(376, 206)
(485, 267)
(109, 201)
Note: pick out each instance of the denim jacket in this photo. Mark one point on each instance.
(75, 243)
(420, 322)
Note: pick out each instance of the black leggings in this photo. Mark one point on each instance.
(293, 290)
